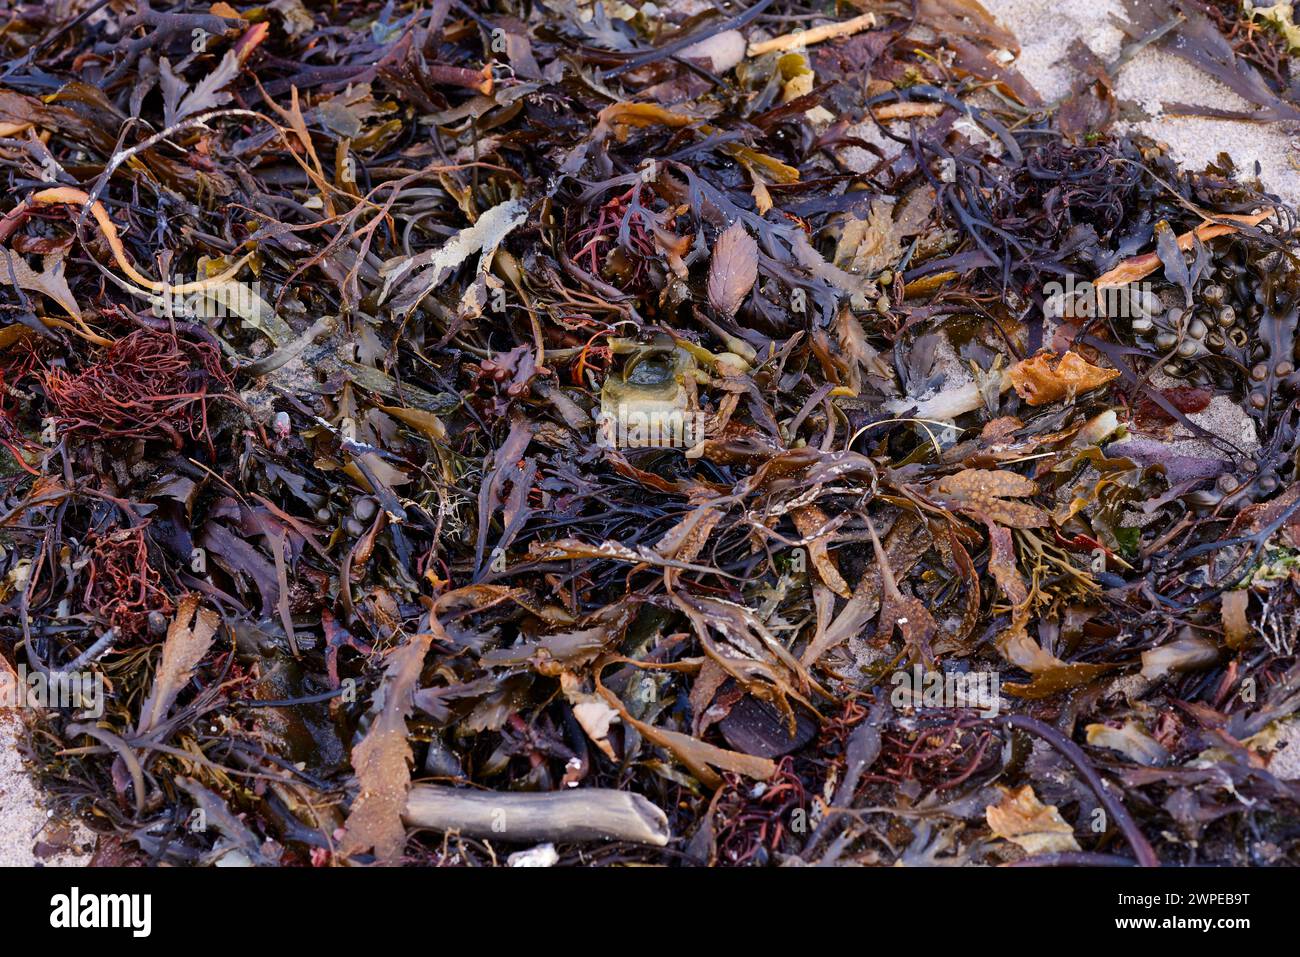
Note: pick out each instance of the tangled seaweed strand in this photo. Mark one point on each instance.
(122, 584)
(420, 550)
(148, 385)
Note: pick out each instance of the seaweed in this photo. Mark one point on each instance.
(658, 430)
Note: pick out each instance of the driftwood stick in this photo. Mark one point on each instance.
(588, 814)
(806, 38)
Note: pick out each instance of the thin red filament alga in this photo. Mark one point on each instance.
(148, 385)
(15, 364)
(122, 587)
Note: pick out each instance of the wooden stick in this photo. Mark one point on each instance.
(806, 38)
(585, 814)
(907, 111)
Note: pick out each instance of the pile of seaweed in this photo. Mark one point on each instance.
(609, 432)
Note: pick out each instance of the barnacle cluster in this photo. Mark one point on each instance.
(1238, 334)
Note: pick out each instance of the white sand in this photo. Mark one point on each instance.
(1284, 760)
(1045, 30)
(24, 819)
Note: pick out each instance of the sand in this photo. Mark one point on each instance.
(1284, 760)
(1045, 30)
(30, 834)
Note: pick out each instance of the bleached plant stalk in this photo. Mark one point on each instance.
(587, 814)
